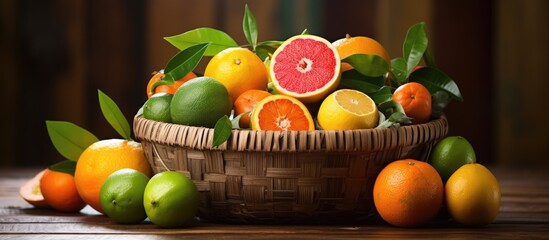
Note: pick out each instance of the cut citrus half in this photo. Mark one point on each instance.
(30, 191)
(347, 109)
(306, 67)
(281, 113)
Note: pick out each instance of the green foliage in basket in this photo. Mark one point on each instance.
(70, 140)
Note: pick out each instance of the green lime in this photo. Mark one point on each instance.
(171, 199)
(157, 107)
(121, 196)
(200, 102)
(450, 154)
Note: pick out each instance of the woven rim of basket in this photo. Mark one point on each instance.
(201, 138)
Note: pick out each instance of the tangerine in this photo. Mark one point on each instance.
(246, 103)
(408, 193)
(166, 88)
(415, 100)
(59, 191)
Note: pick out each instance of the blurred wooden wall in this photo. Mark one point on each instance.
(56, 54)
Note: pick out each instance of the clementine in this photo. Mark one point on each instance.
(166, 88)
(246, 103)
(415, 100)
(408, 193)
(59, 191)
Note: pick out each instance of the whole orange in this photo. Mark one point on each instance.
(359, 45)
(246, 103)
(239, 69)
(408, 193)
(100, 160)
(59, 191)
(415, 100)
(166, 88)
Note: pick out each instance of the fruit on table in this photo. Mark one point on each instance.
(200, 102)
(100, 160)
(408, 193)
(359, 45)
(171, 199)
(415, 100)
(450, 154)
(166, 88)
(121, 196)
(281, 113)
(305, 67)
(30, 191)
(59, 191)
(347, 109)
(239, 69)
(246, 103)
(473, 195)
(157, 107)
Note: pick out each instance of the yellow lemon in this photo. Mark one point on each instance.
(347, 109)
(473, 195)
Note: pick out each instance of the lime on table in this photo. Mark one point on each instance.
(121, 196)
(450, 154)
(171, 199)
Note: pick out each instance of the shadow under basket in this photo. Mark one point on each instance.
(272, 177)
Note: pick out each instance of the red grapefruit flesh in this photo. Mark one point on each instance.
(306, 67)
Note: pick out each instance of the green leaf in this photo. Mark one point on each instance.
(114, 116)
(305, 32)
(440, 101)
(435, 80)
(266, 49)
(415, 45)
(429, 57)
(69, 139)
(382, 95)
(394, 113)
(219, 40)
(222, 131)
(184, 62)
(66, 166)
(399, 70)
(250, 27)
(353, 79)
(370, 65)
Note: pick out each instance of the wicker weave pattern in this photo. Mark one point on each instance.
(277, 177)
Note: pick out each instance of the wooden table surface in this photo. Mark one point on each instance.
(524, 214)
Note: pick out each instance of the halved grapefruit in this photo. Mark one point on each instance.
(281, 113)
(306, 67)
(30, 191)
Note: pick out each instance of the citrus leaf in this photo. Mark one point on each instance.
(182, 63)
(250, 27)
(235, 122)
(114, 116)
(429, 57)
(399, 70)
(222, 131)
(66, 166)
(353, 79)
(435, 80)
(266, 49)
(394, 114)
(219, 40)
(415, 45)
(305, 32)
(382, 95)
(440, 101)
(69, 139)
(370, 65)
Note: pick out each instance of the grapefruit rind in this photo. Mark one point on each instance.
(309, 96)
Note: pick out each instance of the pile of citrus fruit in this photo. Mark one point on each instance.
(304, 83)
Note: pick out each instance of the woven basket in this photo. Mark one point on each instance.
(284, 177)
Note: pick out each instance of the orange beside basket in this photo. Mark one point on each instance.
(284, 177)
